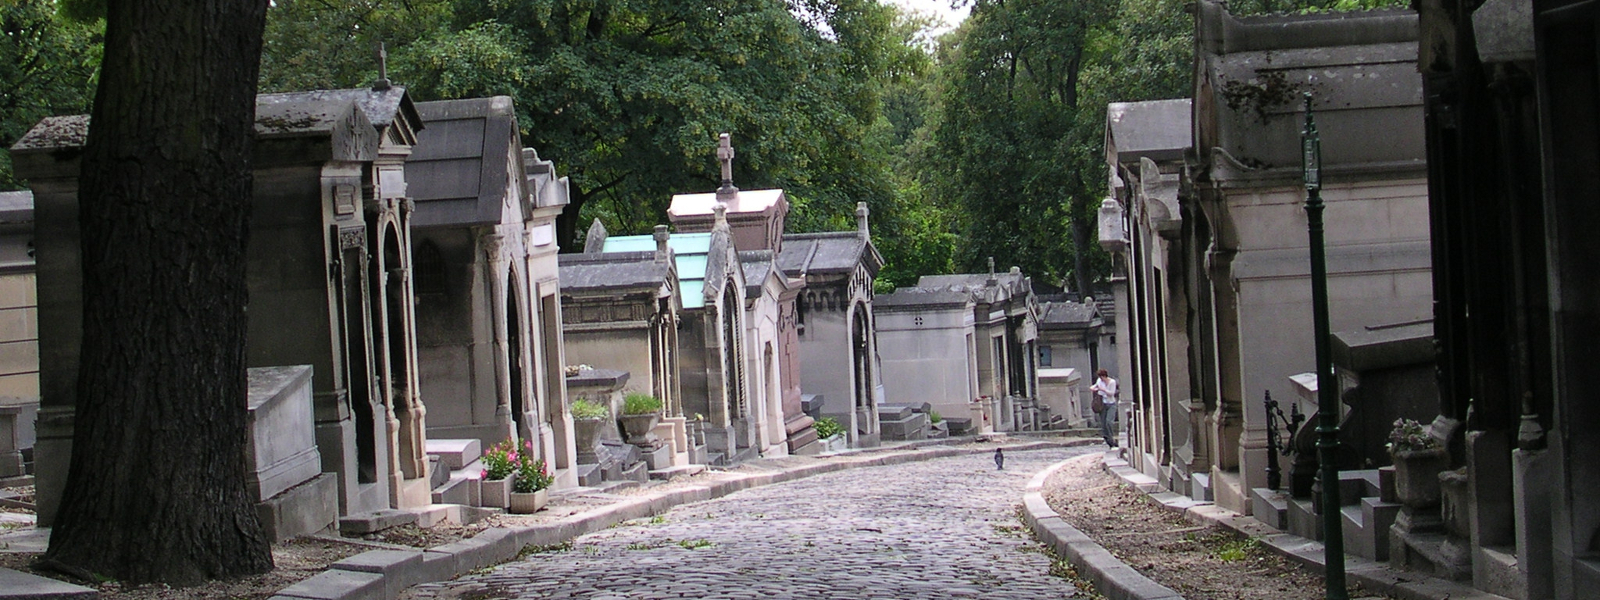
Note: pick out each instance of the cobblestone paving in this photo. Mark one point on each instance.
(944, 528)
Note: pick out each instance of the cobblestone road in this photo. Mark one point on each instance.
(943, 528)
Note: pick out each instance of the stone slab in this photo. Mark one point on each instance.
(16, 585)
(338, 585)
(454, 454)
(670, 472)
(400, 568)
(375, 521)
(308, 508)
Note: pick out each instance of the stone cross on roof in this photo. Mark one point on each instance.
(383, 69)
(726, 192)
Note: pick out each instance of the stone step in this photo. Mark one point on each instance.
(1270, 506)
(375, 521)
(459, 490)
(16, 585)
(670, 472)
(454, 454)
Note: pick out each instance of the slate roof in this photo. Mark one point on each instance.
(690, 251)
(916, 297)
(977, 285)
(463, 164)
(613, 271)
(830, 252)
(277, 115)
(1066, 314)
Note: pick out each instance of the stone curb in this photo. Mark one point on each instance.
(1113, 578)
(383, 574)
(1376, 577)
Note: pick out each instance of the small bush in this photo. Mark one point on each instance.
(934, 416)
(636, 403)
(827, 427)
(584, 408)
(500, 461)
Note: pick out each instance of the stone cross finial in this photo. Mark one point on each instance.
(726, 192)
(661, 236)
(992, 279)
(861, 220)
(383, 69)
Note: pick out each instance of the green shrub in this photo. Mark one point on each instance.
(500, 461)
(584, 408)
(827, 427)
(934, 416)
(636, 403)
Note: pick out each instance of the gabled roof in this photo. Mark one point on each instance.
(613, 271)
(465, 162)
(691, 252)
(1067, 314)
(919, 298)
(1007, 285)
(353, 117)
(830, 252)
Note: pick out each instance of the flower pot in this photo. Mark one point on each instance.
(587, 434)
(523, 504)
(497, 493)
(641, 429)
(1416, 476)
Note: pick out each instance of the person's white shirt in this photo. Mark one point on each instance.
(1107, 388)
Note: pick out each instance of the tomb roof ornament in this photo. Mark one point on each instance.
(726, 192)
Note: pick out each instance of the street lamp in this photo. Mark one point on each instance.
(1327, 392)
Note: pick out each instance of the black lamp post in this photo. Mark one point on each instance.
(1327, 393)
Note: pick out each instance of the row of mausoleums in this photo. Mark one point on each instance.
(1445, 258)
(409, 308)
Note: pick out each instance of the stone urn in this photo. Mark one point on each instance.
(496, 493)
(1416, 476)
(587, 434)
(522, 504)
(640, 429)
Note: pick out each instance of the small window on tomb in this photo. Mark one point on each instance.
(1044, 356)
(430, 269)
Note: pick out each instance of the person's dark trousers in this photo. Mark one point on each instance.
(1108, 425)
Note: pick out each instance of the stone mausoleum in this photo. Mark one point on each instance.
(330, 288)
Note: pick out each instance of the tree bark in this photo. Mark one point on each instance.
(156, 489)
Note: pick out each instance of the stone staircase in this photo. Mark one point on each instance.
(1368, 508)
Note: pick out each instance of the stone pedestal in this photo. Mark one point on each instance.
(16, 429)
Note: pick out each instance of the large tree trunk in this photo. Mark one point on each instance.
(156, 489)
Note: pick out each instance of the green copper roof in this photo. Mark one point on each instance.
(690, 251)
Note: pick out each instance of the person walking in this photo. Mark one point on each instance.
(1105, 390)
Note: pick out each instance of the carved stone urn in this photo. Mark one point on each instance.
(1416, 476)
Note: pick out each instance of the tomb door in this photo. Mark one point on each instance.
(861, 362)
(515, 326)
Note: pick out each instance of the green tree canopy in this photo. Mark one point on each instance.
(47, 67)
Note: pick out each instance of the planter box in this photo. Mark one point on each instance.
(1416, 476)
(523, 504)
(497, 493)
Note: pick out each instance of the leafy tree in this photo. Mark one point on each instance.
(156, 487)
(1009, 108)
(47, 67)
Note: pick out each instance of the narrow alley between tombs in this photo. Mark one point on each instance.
(943, 528)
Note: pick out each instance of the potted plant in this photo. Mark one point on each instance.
(640, 413)
(831, 433)
(499, 465)
(588, 417)
(530, 483)
(1418, 460)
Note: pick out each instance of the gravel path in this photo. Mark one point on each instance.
(943, 528)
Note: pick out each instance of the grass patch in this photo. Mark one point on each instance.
(695, 544)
